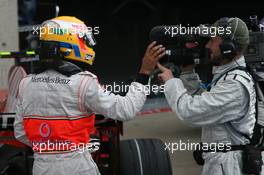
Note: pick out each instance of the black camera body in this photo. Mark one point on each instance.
(181, 48)
(189, 48)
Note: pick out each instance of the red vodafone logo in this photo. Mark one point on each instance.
(44, 130)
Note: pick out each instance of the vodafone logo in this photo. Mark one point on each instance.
(44, 130)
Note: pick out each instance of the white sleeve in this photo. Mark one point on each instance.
(113, 106)
(192, 83)
(18, 125)
(209, 107)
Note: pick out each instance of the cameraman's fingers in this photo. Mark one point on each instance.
(151, 45)
(160, 56)
(162, 68)
(159, 51)
(161, 77)
(154, 49)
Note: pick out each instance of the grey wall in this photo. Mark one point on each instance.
(8, 36)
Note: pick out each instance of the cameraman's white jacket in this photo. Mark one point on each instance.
(223, 113)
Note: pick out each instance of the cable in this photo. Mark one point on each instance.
(235, 29)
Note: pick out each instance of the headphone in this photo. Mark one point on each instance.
(229, 47)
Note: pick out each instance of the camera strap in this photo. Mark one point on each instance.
(225, 74)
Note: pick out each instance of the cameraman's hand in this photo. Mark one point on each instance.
(151, 57)
(166, 73)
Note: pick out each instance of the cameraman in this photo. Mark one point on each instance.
(226, 111)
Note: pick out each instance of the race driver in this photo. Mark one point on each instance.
(56, 104)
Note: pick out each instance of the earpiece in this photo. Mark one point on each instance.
(228, 47)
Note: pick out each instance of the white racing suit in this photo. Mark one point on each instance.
(53, 107)
(224, 112)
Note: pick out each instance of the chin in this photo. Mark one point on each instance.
(215, 61)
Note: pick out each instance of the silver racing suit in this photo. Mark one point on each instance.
(53, 94)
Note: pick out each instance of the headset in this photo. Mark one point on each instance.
(229, 47)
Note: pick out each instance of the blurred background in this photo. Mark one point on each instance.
(124, 27)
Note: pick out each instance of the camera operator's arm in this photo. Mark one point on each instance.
(208, 108)
(191, 80)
